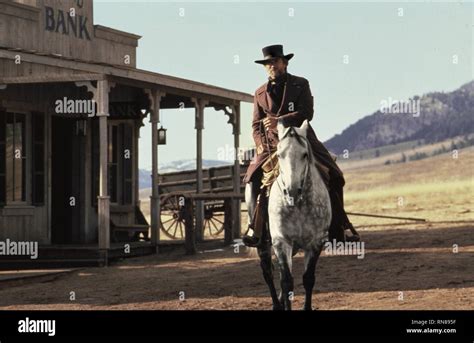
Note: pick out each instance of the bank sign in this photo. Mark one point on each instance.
(70, 18)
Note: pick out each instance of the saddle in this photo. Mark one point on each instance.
(271, 171)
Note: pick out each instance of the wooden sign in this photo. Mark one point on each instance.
(72, 18)
(67, 25)
(64, 28)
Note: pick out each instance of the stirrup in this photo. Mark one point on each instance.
(355, 235)
(252, 241)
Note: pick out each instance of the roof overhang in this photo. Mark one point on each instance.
(81, 71)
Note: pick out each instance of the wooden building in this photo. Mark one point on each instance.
(68, 174)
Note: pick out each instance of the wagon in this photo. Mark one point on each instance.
(217, 188)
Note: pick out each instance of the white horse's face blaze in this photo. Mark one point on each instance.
(293, 154)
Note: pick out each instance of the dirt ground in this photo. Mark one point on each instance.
(417, 260)
(407, 265)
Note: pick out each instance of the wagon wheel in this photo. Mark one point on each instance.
(213, 223)
(172, 219)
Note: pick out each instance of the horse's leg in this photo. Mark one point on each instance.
(283, 252)
(310, 260)
(265, 254)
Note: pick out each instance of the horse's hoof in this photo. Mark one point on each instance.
(277, 307)
(307, 308)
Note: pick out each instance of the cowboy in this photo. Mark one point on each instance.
(287, 98)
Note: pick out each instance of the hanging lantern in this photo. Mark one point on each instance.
(161, 136)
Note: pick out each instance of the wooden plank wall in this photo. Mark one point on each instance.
(30, 28)
(8, 68)
(25, 222)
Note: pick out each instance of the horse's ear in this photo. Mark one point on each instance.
(304, 126)
(281, 128)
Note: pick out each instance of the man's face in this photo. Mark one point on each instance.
(275, 67)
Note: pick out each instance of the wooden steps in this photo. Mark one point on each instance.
(75, 256)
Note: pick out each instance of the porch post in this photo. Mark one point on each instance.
(103, 198)
(155, 97)
(200, 104)
(236, 182)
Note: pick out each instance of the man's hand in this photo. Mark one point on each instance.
(270, 123)
(259, 149)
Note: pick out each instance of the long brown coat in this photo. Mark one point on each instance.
(297, 105)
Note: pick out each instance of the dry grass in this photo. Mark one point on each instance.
(393, 153)
(437, 189)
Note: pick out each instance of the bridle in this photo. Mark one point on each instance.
(280, 181)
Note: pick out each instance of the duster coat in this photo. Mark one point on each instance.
(296, 106)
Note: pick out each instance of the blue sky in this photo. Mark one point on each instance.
(389, 56)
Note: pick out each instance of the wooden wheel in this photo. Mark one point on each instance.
(172, 219)
(213, 223)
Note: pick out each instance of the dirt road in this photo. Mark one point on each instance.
(417, 260)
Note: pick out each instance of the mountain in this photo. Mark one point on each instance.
(190, 164)
(144, 178)
(179, 165)
(441, 116)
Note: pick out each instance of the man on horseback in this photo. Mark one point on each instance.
(287, 98)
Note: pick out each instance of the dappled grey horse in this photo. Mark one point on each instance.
(299, 213)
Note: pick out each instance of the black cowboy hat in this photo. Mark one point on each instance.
(271, 52)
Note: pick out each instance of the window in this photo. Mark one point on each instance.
(127, 148)
(113, 162)
(38, 160)
(120, 166)
(22, 166)
(3, 176)
(15, 157)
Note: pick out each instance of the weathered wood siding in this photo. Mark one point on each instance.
(27, 222)
(24, 223)
(48, 28)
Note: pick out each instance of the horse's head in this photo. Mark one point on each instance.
(294, 155)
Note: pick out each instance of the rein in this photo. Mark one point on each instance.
(280, 183)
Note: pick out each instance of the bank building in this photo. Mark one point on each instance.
(72, 104)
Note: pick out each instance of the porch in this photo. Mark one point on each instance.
(70, 177)
(105, 200)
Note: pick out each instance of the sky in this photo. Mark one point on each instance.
(354, 54)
